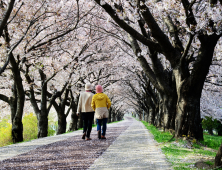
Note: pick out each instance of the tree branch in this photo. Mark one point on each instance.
(4, 98)
(128, 28)
(6, 16)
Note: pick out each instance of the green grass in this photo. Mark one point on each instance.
(196, 146)
(204, 152)
(213, 142)
(181, 157)
(209, 163)
(175, 151)
(158, 136)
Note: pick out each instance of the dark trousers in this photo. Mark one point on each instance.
(99, 122)
(87, 122)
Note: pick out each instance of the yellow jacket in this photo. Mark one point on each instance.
(101, 103)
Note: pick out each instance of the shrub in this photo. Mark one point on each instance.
(30, 128)
(5, 132)
(52, 125)
(30, 124)
(210, 124)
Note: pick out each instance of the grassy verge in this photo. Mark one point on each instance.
(187, 154)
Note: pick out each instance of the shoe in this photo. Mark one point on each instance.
(88, 138)
(84, 135)
(103, 137)
(99, 134)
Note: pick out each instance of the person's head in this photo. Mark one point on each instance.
(99, 89)
(88, 86)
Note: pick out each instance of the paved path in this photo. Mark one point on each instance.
(133, 149)
(128, 146)
(20, 148)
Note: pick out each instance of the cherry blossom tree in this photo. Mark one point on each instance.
(187, 43)
(29, 33)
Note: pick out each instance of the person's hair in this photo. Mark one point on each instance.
(88, 86)
(99, 89)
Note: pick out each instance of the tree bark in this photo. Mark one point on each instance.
(60, 109)
(43, 116)
(114, 116)
(210, 131)
(151, 118)
(43, 125)
(18, 103)
(80, 121)
(219, 128)
(74, 121)
(218, 157)
(110, 112)
(189, 87)
(188, 120)
(159, 115)
(169, 111)
(61, 123)
(74, 117)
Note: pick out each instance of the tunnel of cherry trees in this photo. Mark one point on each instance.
(159, 60)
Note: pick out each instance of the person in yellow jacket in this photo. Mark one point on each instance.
(100, 104)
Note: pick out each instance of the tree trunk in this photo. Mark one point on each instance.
(172, 122)
(169, 111)
(113, 117)
(110, 112)
(19, 96)
(151, 118)
(61, 123)
(17, 126)
(210, 131)
(159, 116)
(147, 115)
(188, 121)
(140, 115)
(74, 118)
(17, 130)
(42, 125)
(218, 157)
(60, 109)
(189, 86)
(43, 116)
(80, 121)
(219, 128)
(219, 132)
(73, 123)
